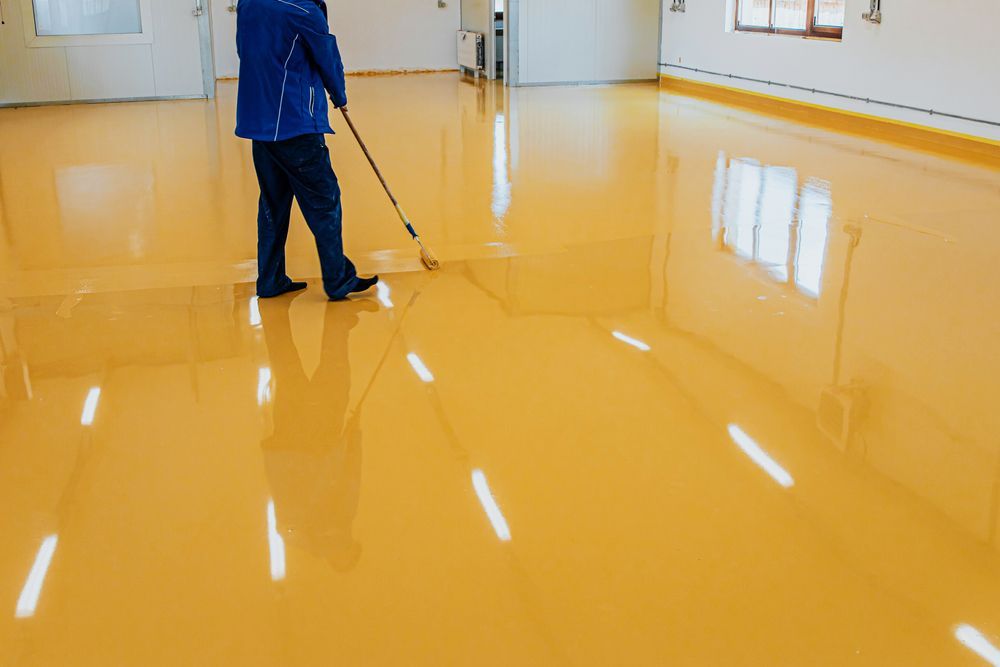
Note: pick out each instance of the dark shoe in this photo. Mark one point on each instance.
(292, 286)
(364, 284)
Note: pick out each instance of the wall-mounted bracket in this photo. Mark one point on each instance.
(874, 13)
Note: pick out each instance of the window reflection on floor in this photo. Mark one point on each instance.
(763, 214)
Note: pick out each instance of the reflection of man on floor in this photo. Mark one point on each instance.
(313, 459)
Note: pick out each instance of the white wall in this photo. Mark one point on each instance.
(168, 66)
(227, 65)
(477, 16)
(374, 35)
(29, 75)
(927, 53)
(396, 34)
(587, 40)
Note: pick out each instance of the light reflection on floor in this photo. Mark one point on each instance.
(695, 386)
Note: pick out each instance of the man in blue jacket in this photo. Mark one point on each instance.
(287, 59)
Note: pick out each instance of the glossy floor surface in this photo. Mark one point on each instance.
(695, 386)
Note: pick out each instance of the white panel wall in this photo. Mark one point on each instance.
(396, 34)
(176, 50)
(561, 40)
(374, 35)
(106, 72)
(29, 75)
(227, 65)
(588, 40)
(928, 54)
(170, 66)
(477, 16)
(626, 39)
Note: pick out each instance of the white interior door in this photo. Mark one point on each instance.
(227, 65)
(182, 47)
(585, 41)
(65, 50)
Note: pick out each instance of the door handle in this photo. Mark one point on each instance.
(199, 8)
(232, 6)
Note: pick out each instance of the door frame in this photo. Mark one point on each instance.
(511, 42)
(206, 45)
(491, 41)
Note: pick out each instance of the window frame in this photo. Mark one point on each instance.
(811, 29)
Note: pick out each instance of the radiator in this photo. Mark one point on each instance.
(471, 50)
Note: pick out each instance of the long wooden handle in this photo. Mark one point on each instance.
(371, 161)
(381, 178)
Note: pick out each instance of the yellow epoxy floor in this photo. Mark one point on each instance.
(696, 386)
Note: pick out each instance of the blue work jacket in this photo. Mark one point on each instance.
(287, 59)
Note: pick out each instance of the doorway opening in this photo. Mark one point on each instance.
(498, 33)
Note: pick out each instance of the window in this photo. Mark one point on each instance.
(60, 23)
(89, 17)
(808, 18)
